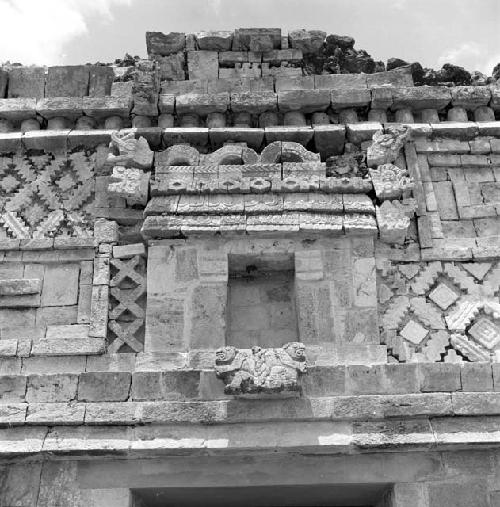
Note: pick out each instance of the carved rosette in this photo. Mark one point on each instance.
(258, 370)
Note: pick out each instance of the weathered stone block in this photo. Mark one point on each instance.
(158, 43)
(104, 386)
(257, 39)
(202, 104)
(26, 82)
(254, 102)
(439, 377)
(203, 65)
(306, 101)
(51, 388)
(17, 109)
(341, 99)
(208, 317)
(476, 377)
(167, 385)
(68, 81)
(421, 97)
(339, 81)
(329, 139)
(100, 80)
(459, 494)
(60, 286)
(214, 40)
(12, 388)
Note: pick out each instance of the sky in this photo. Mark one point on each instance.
(70, 32)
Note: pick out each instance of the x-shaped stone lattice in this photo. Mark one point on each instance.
(126, 316)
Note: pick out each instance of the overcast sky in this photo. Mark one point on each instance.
(53, 32)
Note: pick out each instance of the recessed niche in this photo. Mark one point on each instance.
(261, 301)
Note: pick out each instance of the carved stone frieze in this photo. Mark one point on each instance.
(440, 311)
(261, 370)
(392, 223)
(391, 182)
(129, 183)
(127, 151)
(386, 146)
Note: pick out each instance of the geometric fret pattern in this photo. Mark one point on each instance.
(43, 196)
(127, 305)
(440, 311)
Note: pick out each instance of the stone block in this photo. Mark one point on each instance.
(308, 41)
(12, 388)
(439, 377)
(396, 77)
(254, 102)
(358, 133)
(104, 386)
(314, 312)
(294, 83)
(208, 316)
(100, 80)
(203, 64)
(60, 285)
(476, 377)
(99, 311)
(464, 493)
(104, 107)
(324, 381)
(67, 332)
(166, 103)
(8, 348)
(51, 388)
(128, 251)
(158, 43)
(340, 81)
(306, 101)
(421, 97)
(214, 40)
(4, 79)
(257, 39)
(67, 107)
(18, 287)
(55, 413)
(329, 139)
(470, 97)
(17, 109)
(67, 81)
(69, 347)
(26, 82)
(341, 99)
(202, 104)
(167, 385)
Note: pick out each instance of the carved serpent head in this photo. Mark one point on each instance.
(296, 350)
(225, 354)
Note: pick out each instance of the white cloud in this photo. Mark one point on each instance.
(36, 31)
(472, 56)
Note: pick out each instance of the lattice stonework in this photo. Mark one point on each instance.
(440, 311)
(46, 195)
(127, 304)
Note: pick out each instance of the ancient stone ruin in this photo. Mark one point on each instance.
(253, 269)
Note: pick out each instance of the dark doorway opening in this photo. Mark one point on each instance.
(338, 495)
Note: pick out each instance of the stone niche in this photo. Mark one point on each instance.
(203, 294)
(261, 301)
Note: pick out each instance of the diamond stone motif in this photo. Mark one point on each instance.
(486, 333)
(414, 332)
(443, 296)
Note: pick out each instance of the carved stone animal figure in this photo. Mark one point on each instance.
(267, 370)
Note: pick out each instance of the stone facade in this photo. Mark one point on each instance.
(220, 270)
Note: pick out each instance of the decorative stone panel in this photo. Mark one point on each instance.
(440, 311)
